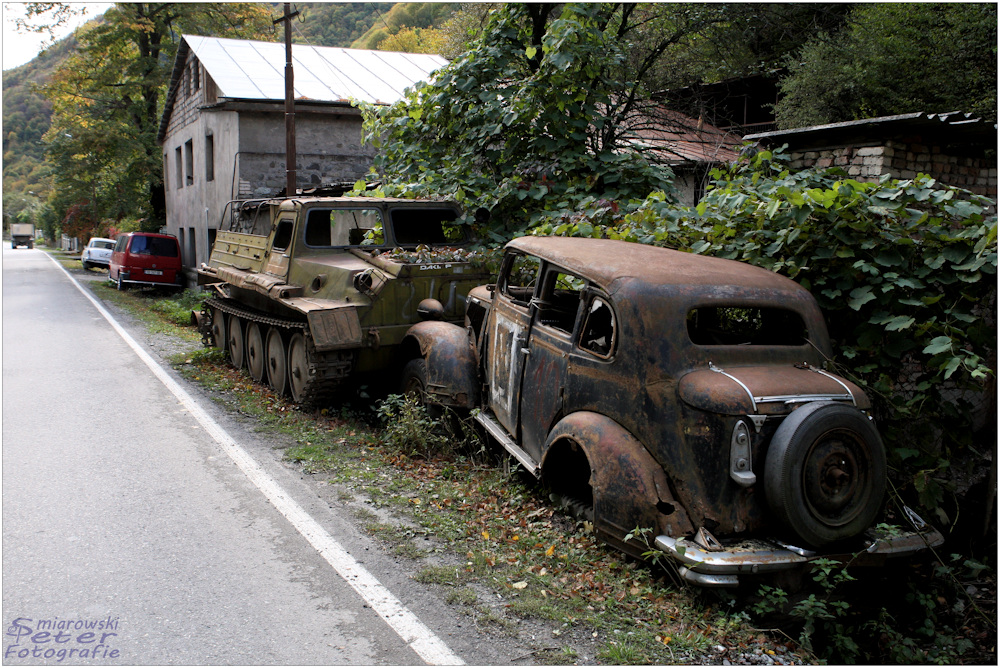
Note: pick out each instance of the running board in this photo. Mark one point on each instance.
(500, 434)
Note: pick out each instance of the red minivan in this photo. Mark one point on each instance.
(144, 258)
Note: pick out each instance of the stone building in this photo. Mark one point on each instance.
(222, 131)
(955, 148)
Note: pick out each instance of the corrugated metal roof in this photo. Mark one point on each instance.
(244, 69)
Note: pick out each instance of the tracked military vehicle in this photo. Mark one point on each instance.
(307, 291)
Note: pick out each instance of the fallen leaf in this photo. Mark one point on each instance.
(550, 551)
(520, 585)
(486, 535)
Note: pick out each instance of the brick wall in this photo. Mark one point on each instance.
(904, 161)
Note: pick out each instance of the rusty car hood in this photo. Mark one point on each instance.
(765, 389)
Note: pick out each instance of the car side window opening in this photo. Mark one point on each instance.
(745, 326)
(559, 300)
(328, 228)
(517, 281)
(599, 328)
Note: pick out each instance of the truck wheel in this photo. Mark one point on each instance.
(255, 352)
(825, 471)
(298, 367)
(277, 361)
(119, 284)
(236, 343)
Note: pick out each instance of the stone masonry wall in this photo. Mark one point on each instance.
(904, 161)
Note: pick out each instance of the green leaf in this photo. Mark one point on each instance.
(860, 297)
(899, 323)
(938, 345)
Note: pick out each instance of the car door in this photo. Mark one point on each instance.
(555, 313)
(508, 330)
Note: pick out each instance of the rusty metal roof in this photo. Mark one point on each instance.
(246, 69)
(677, 138)
(605, 261)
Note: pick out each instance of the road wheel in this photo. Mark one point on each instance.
(298, 367)
(119, 283)
(255, 352)
(277, 361)
(234, 327)
(414, 379)
(86, 265)
(825, 471)
(219, 329)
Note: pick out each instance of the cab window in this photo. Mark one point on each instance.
(331, 228)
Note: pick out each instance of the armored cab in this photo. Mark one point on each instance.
(307, 291)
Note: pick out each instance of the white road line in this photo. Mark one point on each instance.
(414, 633)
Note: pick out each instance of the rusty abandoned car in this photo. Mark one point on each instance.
(674, 392)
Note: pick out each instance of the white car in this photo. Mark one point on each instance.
(97, 253)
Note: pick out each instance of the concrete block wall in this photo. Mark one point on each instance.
(904, 160)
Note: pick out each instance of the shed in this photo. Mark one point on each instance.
(222, 129)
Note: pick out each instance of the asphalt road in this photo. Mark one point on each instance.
(131, 535)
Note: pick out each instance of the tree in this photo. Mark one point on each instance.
(414, 40)
(542, 115)
(892, 59)
(107, 99)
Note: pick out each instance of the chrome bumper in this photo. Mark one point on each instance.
(721, 566)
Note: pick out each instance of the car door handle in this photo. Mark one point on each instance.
(525, 351)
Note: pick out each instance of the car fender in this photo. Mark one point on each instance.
(452, 378)
(630, 488)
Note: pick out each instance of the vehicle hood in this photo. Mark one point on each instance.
(764, 390)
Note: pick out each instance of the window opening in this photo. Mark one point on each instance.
(520, 278)
(159, 246)
(745, 326)
(559, 300)
(180, 167)
(189, 161)
(598, 333)
(434, 227)
(283, 237)
(209, 158)
(343, 227)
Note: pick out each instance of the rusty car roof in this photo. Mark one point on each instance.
(604, 261)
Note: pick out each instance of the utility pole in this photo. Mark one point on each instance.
(290, 173)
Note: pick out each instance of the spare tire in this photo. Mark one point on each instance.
(825, 472)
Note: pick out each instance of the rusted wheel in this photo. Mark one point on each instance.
(255, 352)
(219, 329)
(236, 345)
(414, 380)
(298, 367)
(276, 359)
(825, 471)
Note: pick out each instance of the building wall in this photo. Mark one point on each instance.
(904, 161)
(328, 150)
